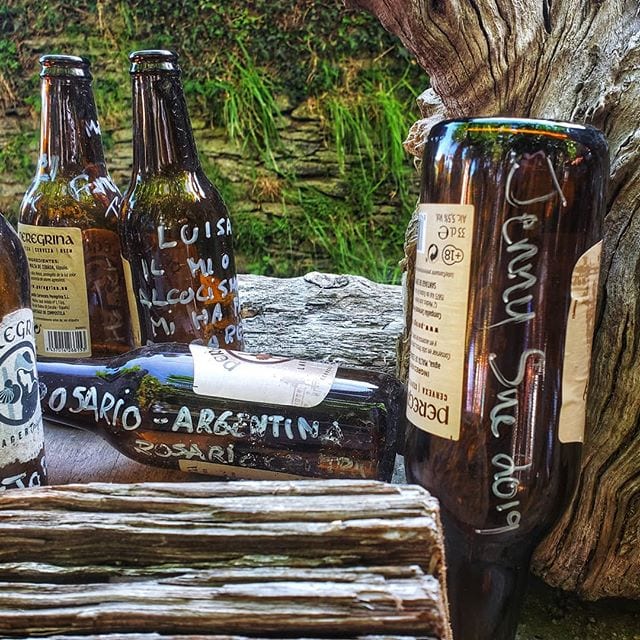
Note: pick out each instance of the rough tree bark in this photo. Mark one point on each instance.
(570, 60)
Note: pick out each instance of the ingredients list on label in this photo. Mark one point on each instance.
(439, 321)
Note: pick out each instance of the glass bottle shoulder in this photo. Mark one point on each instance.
(14, 286)
(491, 137)
(186, 195)
(88, 199)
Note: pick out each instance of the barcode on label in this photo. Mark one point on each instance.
(75, 341)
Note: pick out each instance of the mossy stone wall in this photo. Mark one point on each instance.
(298, 116)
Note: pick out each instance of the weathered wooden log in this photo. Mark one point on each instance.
(320, 601)
(157, 636)
(290, 559)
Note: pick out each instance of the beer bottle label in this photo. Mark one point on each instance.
(260, 378)
(577, 348)
(439, 320)
(234, 473)
(21, 432)
(58, 289)
(133, 306)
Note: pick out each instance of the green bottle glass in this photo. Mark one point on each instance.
(507, 269)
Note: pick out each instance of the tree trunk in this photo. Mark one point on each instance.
(573, 60)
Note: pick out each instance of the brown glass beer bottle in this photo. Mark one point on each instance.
(230, 414)
(68, 224)
(506, 279)
(22, 462)
(175, 228)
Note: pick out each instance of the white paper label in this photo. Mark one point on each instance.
(577, 347)
(21, 432)
(439, 319)
(260, 378)
(58, 289)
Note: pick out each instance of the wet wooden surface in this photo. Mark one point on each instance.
(74, 455)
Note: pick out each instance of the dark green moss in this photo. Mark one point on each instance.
(107, 375)
(148, 390)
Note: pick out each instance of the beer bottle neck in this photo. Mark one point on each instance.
(162, 137)
(70, 138)
(71, 389)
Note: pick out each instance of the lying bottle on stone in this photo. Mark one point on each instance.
(231, 414)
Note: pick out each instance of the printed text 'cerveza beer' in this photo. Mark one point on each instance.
(506, 278)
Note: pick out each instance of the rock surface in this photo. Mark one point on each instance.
(322, 316)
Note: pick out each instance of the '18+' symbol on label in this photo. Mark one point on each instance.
(452, 255)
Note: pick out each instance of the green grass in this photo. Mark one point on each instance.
(365, 127)
(372, 123)
(245, 103)
(18, 156)
(352, 244)
(242, 62)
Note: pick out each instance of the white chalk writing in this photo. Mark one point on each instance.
(104, 405)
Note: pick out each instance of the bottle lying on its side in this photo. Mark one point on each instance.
(231, 414)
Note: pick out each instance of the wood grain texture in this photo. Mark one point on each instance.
(74, 455)
(321, 316)
(289, 559)
(575, 60)
(157, 636)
